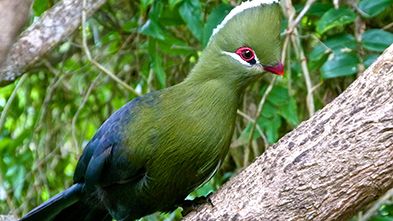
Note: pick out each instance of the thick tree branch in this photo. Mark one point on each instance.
(13, 16)
(330, 167)
(52, 28)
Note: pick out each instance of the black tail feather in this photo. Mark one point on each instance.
(68, 206)
(82, 212)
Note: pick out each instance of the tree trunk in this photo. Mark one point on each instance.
(51, 29)
(13, 16)
(328, 168)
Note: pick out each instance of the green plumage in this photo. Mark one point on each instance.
(155, 150)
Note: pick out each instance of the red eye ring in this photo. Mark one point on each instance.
(246, 53)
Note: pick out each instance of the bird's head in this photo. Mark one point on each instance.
(246, 43)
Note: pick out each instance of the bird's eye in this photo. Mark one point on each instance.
(247, 54)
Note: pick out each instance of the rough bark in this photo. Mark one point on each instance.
(328, 168)
(52, 28)
(13, 16)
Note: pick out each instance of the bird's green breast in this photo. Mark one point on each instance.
(193, 126)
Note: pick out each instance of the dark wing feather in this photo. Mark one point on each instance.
(98, 154)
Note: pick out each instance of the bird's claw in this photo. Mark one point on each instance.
(190, 205)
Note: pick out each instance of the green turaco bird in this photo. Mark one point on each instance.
(151, 153)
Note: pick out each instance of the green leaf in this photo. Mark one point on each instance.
(335, 18)
(4, 143)
(129, 25)
(318, 9)
(173, 3)
(377, 40)
(381, 218)
(112, 40)
(320, 51)
(341, 42)
(279, 105)
(166, 15)
(374, 7)
(159, 70)
(386, 210)
(156, 11)
(145, 3)
(285, 104)
(203, 190)
(369, 60)
(278, 96)
(289, 112)
(40, 6)
(45, 194)
(11, 144)
(214, 18)
(152, 29)
(157, 64)
(333, 44)
(271, 124)
(340, 64)
(153, 26)
(245, 134)
(19, 181)
(191, 13)
(175, 47)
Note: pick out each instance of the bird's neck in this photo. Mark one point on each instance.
(200, 92)
(213, 93)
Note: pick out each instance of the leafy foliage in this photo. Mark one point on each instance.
(150, 45)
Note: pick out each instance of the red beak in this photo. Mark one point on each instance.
(276, 69)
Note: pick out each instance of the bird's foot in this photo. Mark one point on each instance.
(190, 205)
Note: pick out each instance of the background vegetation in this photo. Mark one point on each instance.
(56, 108)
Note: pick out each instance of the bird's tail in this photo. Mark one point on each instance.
(68, 206)
(80, 211)
(51, 208)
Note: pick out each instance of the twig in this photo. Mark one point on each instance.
(94, 62)
(2, 122)
(260, 131)
(9, 102)
(317, 86)
(336, 3)
(386, 27)
(32, 174)
(295, 39)
(259, 111)
(37, 127)
(284, 49)
(75, 118)
(48, 96)
(303, 60)
(302, 13)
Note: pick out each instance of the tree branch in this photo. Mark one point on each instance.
(52, 28)
(13, 16)
(330, 167)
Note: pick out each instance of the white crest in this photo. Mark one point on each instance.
(238, 9)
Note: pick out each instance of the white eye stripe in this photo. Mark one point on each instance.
(239, 59)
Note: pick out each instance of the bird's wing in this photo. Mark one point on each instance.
(105, 159)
